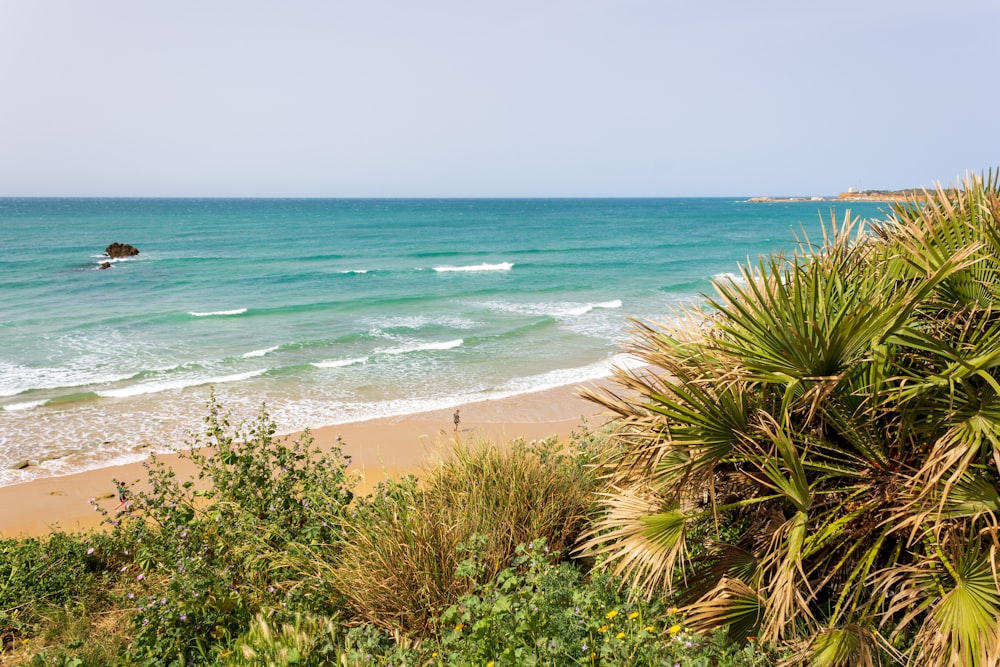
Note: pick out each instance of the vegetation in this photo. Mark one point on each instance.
(397, 569)
(265, 558)
(814, 460)
(805, 472)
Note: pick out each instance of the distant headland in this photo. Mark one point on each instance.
(854, 195)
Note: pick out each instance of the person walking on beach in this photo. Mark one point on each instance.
(122, 496)
(122, 491)
(457, 420)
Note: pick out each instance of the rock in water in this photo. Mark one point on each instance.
(116, 250)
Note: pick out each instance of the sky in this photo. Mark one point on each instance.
(519, 98)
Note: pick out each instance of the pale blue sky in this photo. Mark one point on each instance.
(430, 98)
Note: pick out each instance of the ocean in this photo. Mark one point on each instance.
(333, 311)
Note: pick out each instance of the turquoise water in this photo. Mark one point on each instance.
(332, 310)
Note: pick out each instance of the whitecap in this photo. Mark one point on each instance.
(26, 405)
(416, 322)
(156, 387)
(260, 353)
(101, 259)
(730, 278)
(16, 379)
(567, 376)
(236, 311)
(339, 363)
(503, 266)
(552, 309)
(422, 347)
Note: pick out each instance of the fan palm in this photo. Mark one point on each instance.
(832, 421)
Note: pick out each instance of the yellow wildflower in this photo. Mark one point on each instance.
(674, 629)
(672, 610)
(620, 635)
(649, 628)
(603, 628)
(634, 614)
(460, 626)
(489, 664)
(611, 614)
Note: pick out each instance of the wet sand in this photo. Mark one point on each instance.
(379, 449)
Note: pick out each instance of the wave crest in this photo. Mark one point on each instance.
(339, 363)
(216, 313)
(259, 353)
(502, 266)
(157, 387)
(423, 347)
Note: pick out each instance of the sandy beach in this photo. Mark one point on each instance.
(378, 449)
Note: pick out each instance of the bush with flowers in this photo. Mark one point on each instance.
(205, 555)
(539, 611)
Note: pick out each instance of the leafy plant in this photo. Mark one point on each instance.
(206, 554)
(538, 611)
(841, 407)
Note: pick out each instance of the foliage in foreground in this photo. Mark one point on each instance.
(60, 586)
(239, 572)
(397, 565)
(205, 555)
(842, 408)
(536, 611)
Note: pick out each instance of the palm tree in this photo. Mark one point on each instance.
(813, 459)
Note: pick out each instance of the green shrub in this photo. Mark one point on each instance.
(204, 556)
(534, 612)
(540, 612)
(37, 575)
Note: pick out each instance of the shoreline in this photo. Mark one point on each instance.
(379, 449)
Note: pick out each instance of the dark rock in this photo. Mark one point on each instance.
(105, 265)
(116, 250)
(21, 465)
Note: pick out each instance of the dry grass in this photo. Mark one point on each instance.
(397, 569)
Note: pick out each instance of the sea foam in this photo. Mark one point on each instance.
(25, 405)
(339, 363)
(157, 387)
(217, 313)
(502, 266)
(423, 347)
(552, 309)
(260, 353)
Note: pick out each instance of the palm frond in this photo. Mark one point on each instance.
(786, 587)
(972, 495)
(853, 645)
(639, 538)
(730, 604)
(957, 596)
(721, 561)
(794, 320)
